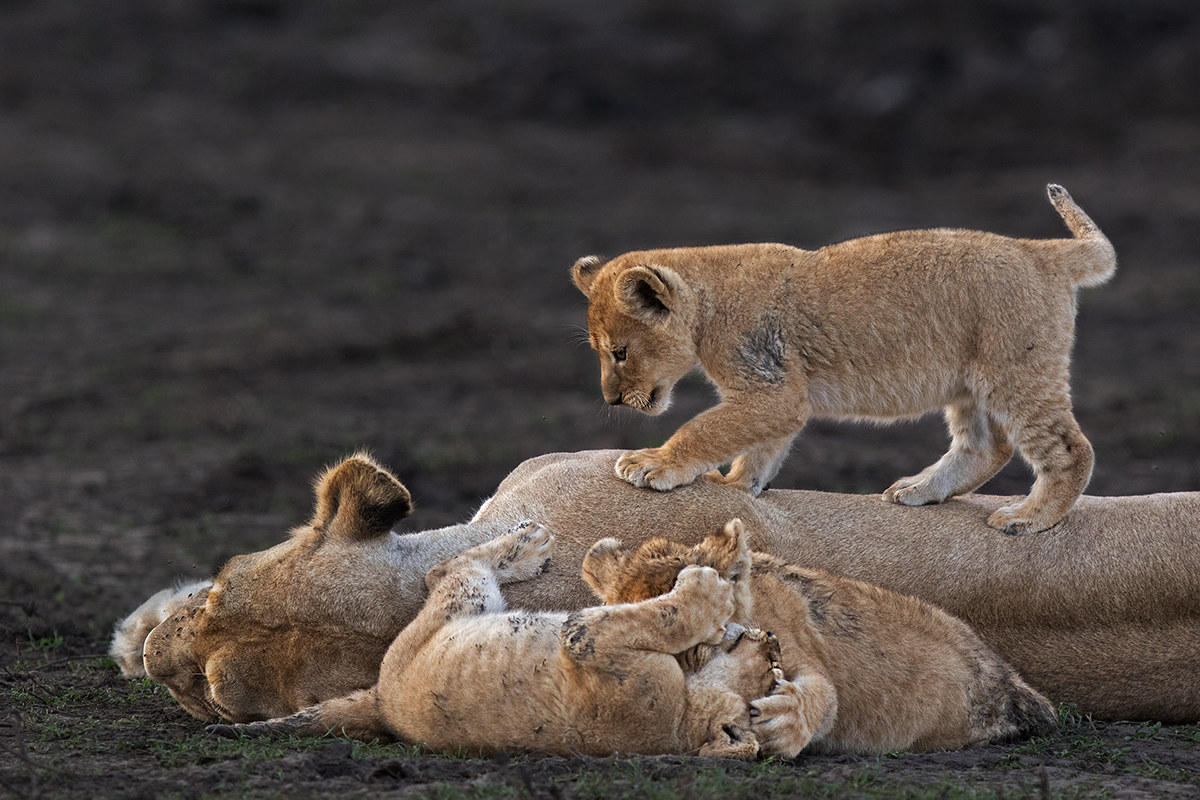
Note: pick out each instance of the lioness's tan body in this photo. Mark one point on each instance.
(882, 327)
(1103, 611)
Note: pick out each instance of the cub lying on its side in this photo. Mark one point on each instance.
(882, 327)
(467, 675)
(867, 670)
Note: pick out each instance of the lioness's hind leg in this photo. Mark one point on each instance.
(1061, 457)
(979, 448)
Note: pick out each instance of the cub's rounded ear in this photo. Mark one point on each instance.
(585, 271)
(358, 499)
(602, 566)
(648, 294)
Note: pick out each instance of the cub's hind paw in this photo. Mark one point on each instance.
(522, 554)
(1017, 521)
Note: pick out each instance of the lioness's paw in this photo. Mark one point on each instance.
(650, 468)
(707, 600)
(522, 554)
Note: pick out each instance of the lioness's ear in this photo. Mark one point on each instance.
(648, 294)
(359, 499)
(602, 566)
(585, 271)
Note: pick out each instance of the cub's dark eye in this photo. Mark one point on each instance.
(619, 353)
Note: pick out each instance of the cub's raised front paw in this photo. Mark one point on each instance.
(707, 600)
(652, 469)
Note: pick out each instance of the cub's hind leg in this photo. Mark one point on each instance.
(1049, 438)
(469, 584)
(979, 448)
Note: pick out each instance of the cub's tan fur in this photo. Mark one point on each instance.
(467, 675)
(867, 670)
(882, 327)
(1102, 612)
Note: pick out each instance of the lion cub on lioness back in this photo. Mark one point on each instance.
(882, 327)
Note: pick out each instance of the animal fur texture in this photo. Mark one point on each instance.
(1103, 611)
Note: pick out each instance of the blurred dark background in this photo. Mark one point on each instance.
(241, 238)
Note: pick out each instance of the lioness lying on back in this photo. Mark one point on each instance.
(882, 327)
(468, 675)
(866, 670)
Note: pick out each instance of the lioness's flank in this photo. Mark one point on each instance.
(467, 675)
(883, 327)
(865, 670)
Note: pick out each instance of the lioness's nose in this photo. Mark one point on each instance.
(613, 400)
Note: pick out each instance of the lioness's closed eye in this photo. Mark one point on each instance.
(883, 327)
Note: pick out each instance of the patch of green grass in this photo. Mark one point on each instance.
(1161, 772)
(1186, 733)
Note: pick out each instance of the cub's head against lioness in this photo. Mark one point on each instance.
(639, 323)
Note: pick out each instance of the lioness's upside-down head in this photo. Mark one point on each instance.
(283, 628)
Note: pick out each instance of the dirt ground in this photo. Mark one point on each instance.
(241, 238)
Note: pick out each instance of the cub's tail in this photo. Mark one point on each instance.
(1095, 263)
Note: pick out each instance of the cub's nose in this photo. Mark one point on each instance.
(613, 399)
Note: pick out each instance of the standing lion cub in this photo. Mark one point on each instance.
(883, 327)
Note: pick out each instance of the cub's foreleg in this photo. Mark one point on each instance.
(694, 612)
(757, 425)
(795, 713)
(744, 667)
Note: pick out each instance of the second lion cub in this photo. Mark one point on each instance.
(883, 327)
